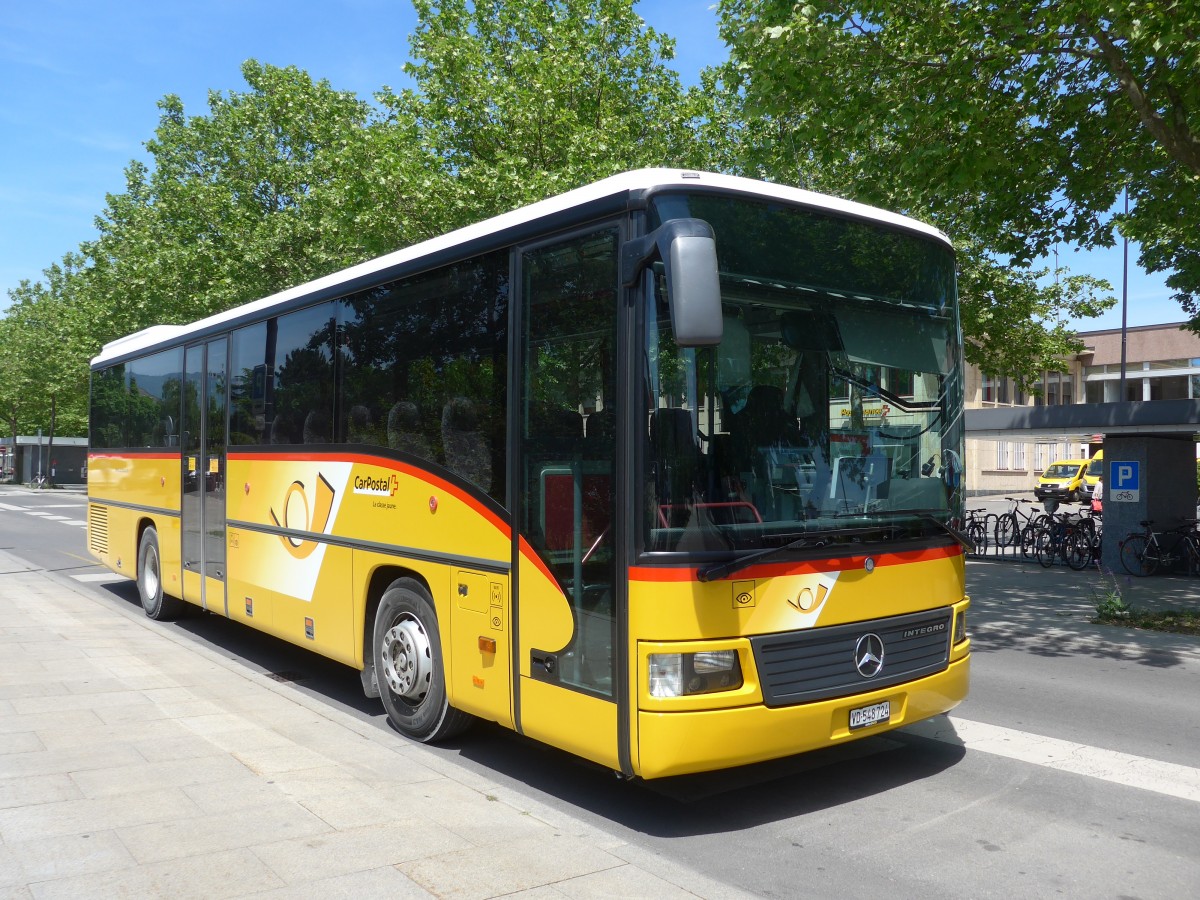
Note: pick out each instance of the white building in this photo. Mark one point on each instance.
(1162, 362)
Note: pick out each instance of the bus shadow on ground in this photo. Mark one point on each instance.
(723, 801)
(669, 807)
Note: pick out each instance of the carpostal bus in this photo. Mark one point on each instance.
(663, 471)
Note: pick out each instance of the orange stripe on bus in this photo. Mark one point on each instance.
(412, 471)
(797, 567)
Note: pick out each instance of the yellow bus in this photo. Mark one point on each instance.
(663, 472)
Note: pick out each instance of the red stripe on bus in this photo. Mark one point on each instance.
(530, 554)
(796, 567)
(412, 471)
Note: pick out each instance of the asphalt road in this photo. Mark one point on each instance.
(1072, 770)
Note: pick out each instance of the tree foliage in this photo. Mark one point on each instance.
(238, 204)
(1016, 125)
(292, 179)
(519, 101)
(955, 115)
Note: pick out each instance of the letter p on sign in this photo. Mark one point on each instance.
(1124, 483)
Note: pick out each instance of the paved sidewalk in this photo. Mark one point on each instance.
(136, 764)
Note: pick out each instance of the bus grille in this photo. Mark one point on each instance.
(820, 663)
(98, 529)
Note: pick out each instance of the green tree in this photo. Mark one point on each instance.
(44, 357)
(238, 204)
(519, 100)
(1012, 127)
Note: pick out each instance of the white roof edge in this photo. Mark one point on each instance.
(638, 179)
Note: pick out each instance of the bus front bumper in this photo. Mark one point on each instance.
(679, 743)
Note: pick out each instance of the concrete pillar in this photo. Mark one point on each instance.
(1165, 466)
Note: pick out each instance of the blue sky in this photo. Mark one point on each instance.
(81, 80)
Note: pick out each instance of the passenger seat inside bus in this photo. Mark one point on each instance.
(404, 430)
(466, 447)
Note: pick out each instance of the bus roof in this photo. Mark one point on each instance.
(635, 185)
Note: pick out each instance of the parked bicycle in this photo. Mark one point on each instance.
(977, 525)
(1065, 536)
(1145, 552)
(1018, 527)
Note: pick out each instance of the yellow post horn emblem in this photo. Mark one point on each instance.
(316, 523)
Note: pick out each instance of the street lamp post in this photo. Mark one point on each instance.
(1124, 296)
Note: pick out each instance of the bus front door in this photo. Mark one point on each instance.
(565, 559)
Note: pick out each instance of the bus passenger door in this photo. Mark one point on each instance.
(565, 557)
(205, 427)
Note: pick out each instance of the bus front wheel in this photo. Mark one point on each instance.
(158, 605)
(409, 665)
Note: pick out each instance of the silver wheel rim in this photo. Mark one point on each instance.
(407, 660)
(150, 579)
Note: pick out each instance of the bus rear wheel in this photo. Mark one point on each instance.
(157, 605)
(409, 665)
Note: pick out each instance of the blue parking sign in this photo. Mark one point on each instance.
(1124, 482)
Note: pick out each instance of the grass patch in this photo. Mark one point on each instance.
(1111, 609)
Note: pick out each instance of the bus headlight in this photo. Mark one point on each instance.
(960, 627)
(682, 674)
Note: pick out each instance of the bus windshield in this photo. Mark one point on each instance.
(831, 412)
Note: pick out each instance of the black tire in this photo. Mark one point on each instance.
(978, 535)
(1078, 550)
(157, 605)
(1191, 554)
(1008, 530)
(1136, 558)
(1029, 541)
(409, 665)
(1045, 547)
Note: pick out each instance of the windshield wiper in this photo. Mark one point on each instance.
(966, 542)
(816, 540)
(925, 515)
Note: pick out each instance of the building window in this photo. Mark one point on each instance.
(1018, 456)
(1173, 387)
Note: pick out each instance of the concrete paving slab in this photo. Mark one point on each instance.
(507, 867)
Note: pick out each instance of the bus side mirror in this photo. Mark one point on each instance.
(688, 250)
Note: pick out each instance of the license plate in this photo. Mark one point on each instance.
(870, 715)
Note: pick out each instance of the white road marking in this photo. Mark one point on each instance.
(98, 576)
(1126, 769)
(12, 508)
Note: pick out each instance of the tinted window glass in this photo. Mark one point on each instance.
(154, 400)
(424, 363)
(108, 408)
(298, 407)
(248, 386)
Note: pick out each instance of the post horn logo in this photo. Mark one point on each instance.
(298, 516)
(806, 600)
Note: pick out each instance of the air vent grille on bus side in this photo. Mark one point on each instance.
(98, 529)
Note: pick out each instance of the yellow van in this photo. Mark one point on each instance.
(1092, 475)
(1062, 480)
